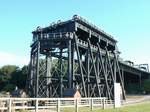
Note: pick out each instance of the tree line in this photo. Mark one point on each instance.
(12, 76)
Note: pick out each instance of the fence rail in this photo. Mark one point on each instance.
(52, 104)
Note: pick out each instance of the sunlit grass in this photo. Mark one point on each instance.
(144, 107)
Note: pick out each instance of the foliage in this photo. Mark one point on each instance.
(133, 88)
(12, 76)
(19, 77)
(146, 86)
(9, 87)
(8, 69)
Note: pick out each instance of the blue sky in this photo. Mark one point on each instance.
(128, 21)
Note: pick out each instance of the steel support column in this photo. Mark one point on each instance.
(87, 59)
(70, 77)
(48, 74)
(61, 73)
(37, 70)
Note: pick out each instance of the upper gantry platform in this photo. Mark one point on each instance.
(78, 26)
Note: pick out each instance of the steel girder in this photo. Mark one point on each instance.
(72, 63)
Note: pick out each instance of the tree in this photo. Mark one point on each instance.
(146, 86)
(12, 76)
(6, 75)
(8, 69)
(19, 77)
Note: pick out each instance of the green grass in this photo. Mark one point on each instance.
(144, 107)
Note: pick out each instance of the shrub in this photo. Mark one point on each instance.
(133, 88)
(9, 87)
(146, 86)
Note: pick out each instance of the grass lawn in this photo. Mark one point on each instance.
(144, 107)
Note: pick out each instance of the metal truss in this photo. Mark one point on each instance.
(72, 63)
(73, 55)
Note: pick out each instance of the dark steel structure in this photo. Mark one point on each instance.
(134, 75)
(73, 54)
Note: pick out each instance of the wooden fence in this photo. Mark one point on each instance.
(52, 104)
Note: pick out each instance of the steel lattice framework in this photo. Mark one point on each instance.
(72, 54)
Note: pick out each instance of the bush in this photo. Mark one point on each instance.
(146, 86)
(9, 87)
(133, 88)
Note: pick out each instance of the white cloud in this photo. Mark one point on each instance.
(12, 59)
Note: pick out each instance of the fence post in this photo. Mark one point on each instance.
(58, 105)
(103, 103)
(36, 105)
(91, 104)
(9, 105)
(76, 105)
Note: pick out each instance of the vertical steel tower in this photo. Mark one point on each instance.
(71, 54)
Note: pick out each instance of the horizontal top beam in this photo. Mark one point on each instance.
(72, 26)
